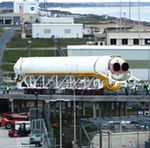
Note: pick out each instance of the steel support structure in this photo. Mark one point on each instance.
(101, 122)
(60, 82)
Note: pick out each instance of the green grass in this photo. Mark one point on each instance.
(7, 67)
(17, 42)
(89, 20)
(11, 56)
(1, 30)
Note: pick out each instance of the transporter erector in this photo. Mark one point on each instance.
(109, 72)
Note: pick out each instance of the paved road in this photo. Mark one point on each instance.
(7, 142)
(6, 36)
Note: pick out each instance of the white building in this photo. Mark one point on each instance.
(57, 30)
(26, 7)
(137, 56)
(128, 37)
(57, 20)
(58, 27)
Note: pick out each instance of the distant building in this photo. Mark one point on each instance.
(26, 7)
(23, 11)
(58, 27)
(57, 30)
(56, 20)
(10, 18)
(127, 37)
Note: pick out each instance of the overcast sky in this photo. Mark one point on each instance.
(83, 0)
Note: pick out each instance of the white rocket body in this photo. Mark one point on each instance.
(62, 64)
(113, 67)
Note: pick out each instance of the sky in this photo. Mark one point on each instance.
(82, 0)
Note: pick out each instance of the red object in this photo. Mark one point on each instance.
(12, 133)
(54, 125)
(19, 129)
(9, 118)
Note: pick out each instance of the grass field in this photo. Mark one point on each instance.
(17, 42)
(1, 30)
(11, 56)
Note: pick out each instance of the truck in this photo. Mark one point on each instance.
(19, 129)
(8, 119)
(36, 139)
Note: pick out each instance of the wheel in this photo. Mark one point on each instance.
(10, 135)
(38, 144)
(8, 126)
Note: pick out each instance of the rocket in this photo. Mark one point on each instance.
(112, 70)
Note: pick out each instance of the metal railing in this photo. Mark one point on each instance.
(42, 125)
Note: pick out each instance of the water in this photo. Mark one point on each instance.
(141, 13)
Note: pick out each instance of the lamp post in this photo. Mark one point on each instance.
(139, 20)
(29, 45)
(120, 14)
(129, 9)
(74, 115)
(36, 94)
(60, 123)
(148, 66)
(60, 117)
(124, 18)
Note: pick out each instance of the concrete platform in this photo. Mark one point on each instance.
(89, 98)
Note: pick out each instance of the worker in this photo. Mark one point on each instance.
(133, 89)
(145, 88)
(127, 90)
(7, 89)
(136, 89)
(148, 89)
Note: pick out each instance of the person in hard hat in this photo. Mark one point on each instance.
(7, 89)
(133, 89)
(145, 88)
(136, 89)
(148, 89)
(127, 90)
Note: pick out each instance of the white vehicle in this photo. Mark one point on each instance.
(18, 123)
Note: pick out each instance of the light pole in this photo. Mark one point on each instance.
(124, 18)
(74, 115)
(129, 9)
(148, 65)
(60, 117)
(29, 45)
(120, 14)
(139, 20)
(36, 94)
(60, 123)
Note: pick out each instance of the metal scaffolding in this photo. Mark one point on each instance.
(99, 123)
(59, 82)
